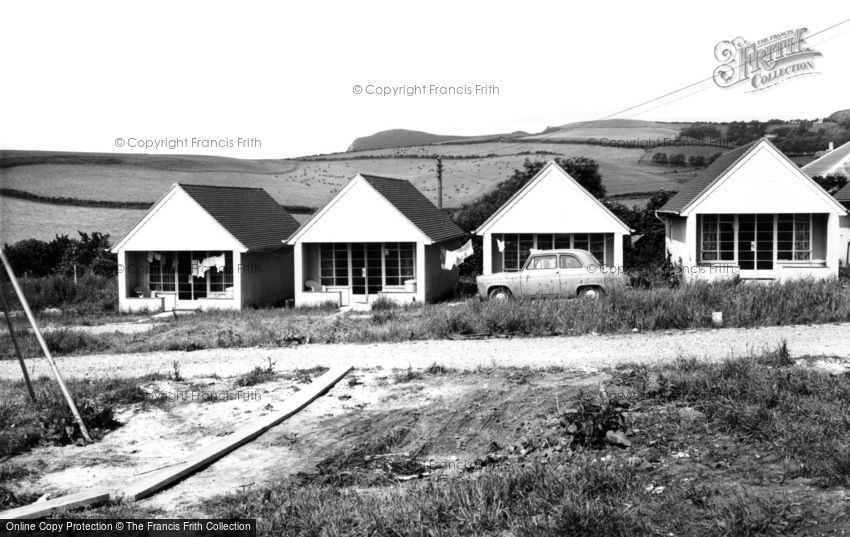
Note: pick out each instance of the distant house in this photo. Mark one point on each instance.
(207, 247)
(551, 211)
(843, 197)
(754, 214)
(833, 162)
(378, 237)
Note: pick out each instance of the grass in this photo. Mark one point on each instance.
(24, 424)
(623, 310)
(761, 405)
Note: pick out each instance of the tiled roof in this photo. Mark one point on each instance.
(413, 204)
(249, 214)
(836, 161)
(843, 195)
(696, 186)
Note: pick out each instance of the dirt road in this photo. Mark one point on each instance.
(587, 353)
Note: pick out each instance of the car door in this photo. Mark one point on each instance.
(540, 277)
(571, 274)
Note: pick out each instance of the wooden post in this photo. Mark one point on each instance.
(15, 344)
(25, 305)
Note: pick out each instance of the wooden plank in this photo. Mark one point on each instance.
(92, 496)
(209, 454)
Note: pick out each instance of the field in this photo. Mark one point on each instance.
(755, 445)
(470, 169)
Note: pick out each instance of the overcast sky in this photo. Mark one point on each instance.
(76, 76)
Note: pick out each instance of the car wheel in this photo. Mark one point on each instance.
(591, 293)
(500, 293)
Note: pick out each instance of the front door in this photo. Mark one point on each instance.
(755, 245)
(365, 271)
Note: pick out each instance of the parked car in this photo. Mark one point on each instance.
(552, 273)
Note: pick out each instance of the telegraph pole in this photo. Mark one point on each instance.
(439, 182)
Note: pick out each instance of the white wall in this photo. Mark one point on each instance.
(179, 223)
(360, 214)
(554, 204)
(764, 183)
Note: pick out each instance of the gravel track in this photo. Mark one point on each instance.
(586, 353)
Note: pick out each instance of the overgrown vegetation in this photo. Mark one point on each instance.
(24, 424)
(689, 305)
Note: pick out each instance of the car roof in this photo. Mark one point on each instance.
(563, 251)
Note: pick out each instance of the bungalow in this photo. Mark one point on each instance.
(207, 247)
(551, 211)
(843, 197)
(753, 213)
(378, 237)
(833, 162)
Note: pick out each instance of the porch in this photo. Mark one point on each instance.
(780, 246)
(351, 273)
(509, 251)
(176, 280)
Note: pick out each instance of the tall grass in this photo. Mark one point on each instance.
(622, 310)
(90, 295)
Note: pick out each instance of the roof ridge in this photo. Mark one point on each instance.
(221, 186)
(364, 175)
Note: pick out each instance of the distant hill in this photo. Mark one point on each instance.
(405, 138)
(612, 129)
(842, 117)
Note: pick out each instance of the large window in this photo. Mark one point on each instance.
(334, 260)
(398, 261)
(517, 247)
(161, 271)
(386, 264)
(204, 274)
(718, 237)
(794, 237)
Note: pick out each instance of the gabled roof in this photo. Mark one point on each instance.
(843, 195)
(413, 204)
(251, 215)
(834, 162)
(699, 184)
(531, 184)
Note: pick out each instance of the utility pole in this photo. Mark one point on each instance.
(439, 182)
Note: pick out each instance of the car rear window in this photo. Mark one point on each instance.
(570, 261)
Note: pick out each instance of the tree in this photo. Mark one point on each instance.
(700, 131)
(696, 161)
(831, 183)
(659, 158)
(677, 159)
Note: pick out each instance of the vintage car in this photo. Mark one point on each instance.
(552, 273)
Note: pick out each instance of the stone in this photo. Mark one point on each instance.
(617, 438)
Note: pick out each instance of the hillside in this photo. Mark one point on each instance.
(406, 138)
(472, 165)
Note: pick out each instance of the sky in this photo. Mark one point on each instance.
(102, 76)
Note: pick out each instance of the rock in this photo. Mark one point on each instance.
(690, 414)
(52, 311)
(43, 498)
(617, 438)
(681, 455)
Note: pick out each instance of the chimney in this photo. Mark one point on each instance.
(831, 146)
(439, 182)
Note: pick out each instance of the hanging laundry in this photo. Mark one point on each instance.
(157, 256)
(150, 257)
(500, 244)
(452, 258)
(198, 269)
